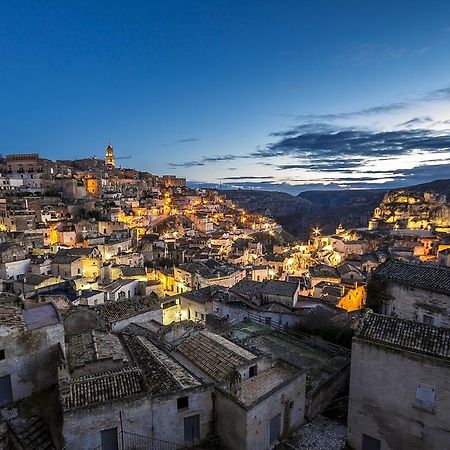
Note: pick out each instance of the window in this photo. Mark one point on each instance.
(425, 397)
(429, 320)
(253, 371)
(183, 403)
(2, 354)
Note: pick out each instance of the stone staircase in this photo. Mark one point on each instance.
(29, 433)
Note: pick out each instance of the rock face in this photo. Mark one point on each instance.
(415, 211)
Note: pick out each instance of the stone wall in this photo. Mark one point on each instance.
(411, 303)
(382, 398)
(248, 428)
(157, 418)
(31, 359)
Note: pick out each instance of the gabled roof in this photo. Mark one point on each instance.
(322, 270)
(214, 355)
(281, 288)
(117, 284)
(92, 346)
(79, 251)
(64, 259)
(163, 374)
(11, 318)
(124, 309)
(406, 335)
(423, 276)
(128, 271)
(33, 279)
(204, 295)
(103, 387)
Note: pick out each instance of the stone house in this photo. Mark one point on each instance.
(197, 275)
(191, 305)
(90, 260)
(271, 291)
(29, 348)
(150, 396)
(66, 266)
(257, 400)
(13, 260)
(120, 289)
(119, 314)
(399, 393)
(413, 291)
(112, 248)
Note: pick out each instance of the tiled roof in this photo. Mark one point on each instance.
(213, 354)
(93, 346)
(79, 251)
(420, 275)
(283, 288)
(406, 334)
(123, 309)
(103, 387)
(163, 373)
(128, 271)
(11, 317)
(257, 387)
(247, 287)
(64, 259)
(33, 278)
(117, 284)
(322, 270)
(203, 295)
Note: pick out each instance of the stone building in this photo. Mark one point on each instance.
(107, 397)
(29, 348)
(412, 291)
(257, 399)
(266, 292)
(399, 392)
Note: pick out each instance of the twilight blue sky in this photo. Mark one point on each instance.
(275, 94)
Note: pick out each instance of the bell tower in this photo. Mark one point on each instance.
(110, 161)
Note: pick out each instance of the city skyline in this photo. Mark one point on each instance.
(260, 95)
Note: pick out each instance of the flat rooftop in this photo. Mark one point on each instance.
(318, 362)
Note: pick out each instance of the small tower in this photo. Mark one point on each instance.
(109, 157)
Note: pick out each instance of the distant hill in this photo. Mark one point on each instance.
(326, 209)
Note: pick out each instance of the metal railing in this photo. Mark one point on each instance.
(132, 441)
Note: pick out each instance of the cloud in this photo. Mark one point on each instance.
(208, 159)
(416, 121)
(371, 111)
(247, 178)
(187, 164)
(187, 140)
(355, 144)
(431, 96)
